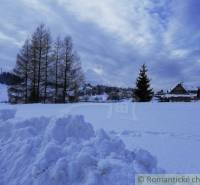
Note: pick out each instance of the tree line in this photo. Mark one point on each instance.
(49, 70)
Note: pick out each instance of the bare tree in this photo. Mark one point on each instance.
(39, 60)
(47, 71)
(68, 59)
(47, 55)
(77, 78)
(57, 58)
(73, 75)
(19, 92)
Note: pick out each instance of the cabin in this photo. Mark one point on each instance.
(179, 89)
(179, 94)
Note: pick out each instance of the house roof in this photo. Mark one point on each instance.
(179, 89)
(187, 87)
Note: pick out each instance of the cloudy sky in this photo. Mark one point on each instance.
(113, 37)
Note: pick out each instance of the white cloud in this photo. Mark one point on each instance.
(4, 37)
(37, 5)
(180, 53)
(128, 20)
(113, 37)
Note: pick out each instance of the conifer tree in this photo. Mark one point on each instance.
(143, 91)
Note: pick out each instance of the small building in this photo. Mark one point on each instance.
(178, 94)
(179, 89)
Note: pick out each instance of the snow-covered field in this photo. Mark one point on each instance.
(75, 151)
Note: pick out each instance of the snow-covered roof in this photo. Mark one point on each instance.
(186, 87)
(189, 87)
(177, 95)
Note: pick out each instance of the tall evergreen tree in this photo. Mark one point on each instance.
(143, 91)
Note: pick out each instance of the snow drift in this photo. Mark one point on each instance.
(65, 151)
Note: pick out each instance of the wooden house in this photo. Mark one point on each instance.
(179, 89)
(178, 94)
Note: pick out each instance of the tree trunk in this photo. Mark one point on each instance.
(39, 72)
(65, 78)
(46, 73)
(56, 80)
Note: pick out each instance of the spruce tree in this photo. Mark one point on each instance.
(143, 91)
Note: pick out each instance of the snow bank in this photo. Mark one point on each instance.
(66, 151)
(7, 114)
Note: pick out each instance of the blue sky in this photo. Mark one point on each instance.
(114, 37)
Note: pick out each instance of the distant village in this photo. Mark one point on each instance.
(100, 93)
(49, 71)
(179, 93)
(103, 93)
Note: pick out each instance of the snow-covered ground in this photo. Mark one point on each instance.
(3, 93)
(169, 131)
(66, 150)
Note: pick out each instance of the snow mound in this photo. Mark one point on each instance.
(7, 114)
(66, 151)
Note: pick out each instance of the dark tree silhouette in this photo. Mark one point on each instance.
(47, 72)
(19, 92)
(9, 78)
(143, 91)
